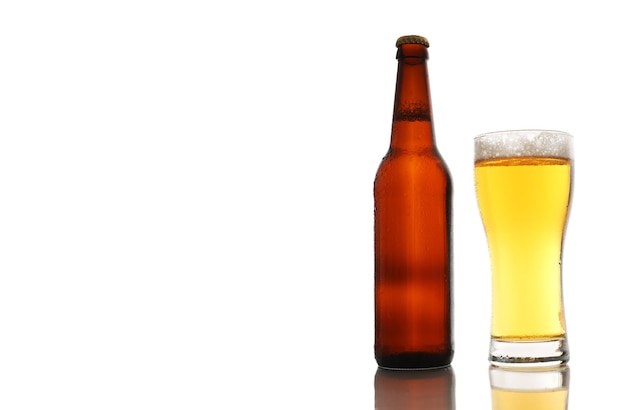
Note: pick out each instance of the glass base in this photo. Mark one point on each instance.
(526, 354)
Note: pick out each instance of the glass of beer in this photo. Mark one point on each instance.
(523, 185)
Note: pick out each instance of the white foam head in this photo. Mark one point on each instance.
(523, 143)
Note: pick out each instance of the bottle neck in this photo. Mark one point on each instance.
(412, 128)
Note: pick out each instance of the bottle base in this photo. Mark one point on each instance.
(525, 354)
(413, 361)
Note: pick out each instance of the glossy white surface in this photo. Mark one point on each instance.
(186, 192)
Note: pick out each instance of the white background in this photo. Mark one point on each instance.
(186, 206)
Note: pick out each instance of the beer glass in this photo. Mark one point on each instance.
(523, 183)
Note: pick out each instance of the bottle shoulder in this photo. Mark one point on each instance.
(424, 158)
(418, 167)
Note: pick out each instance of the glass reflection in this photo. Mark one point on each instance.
(536, 389)
(414, 389)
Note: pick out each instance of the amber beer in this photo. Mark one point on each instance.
(545, 389)
(412, 228)
(523, 184)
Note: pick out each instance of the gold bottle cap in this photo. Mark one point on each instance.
(412, 40)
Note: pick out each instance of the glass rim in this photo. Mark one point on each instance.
(522, 131)
(524, 143)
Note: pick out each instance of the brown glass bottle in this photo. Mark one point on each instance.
(412, 228)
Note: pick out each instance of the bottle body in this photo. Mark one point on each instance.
(412, 245)
(412, 233)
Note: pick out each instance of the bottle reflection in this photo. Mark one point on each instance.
(536, 389)
(414, 389)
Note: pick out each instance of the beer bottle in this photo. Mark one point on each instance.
(412, 228)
